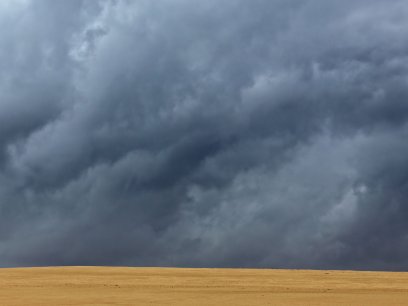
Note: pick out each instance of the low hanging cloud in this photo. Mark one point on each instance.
(265, 133)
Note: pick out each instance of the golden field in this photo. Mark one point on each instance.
(176, 286)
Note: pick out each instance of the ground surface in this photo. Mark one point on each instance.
(167, 286)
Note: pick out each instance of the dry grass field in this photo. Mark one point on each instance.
(169, 286)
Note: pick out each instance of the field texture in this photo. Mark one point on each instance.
(169, 286)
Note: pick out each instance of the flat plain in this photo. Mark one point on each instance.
(179, 286)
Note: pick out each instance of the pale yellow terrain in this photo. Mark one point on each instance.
(169, 286)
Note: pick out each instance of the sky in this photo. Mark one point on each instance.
(217, 133)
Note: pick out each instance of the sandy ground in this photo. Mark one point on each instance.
(168, 286)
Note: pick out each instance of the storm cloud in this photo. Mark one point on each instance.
(262, 133)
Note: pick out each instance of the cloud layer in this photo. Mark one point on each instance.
(264, 133)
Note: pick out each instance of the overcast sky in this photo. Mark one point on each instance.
(216, 133)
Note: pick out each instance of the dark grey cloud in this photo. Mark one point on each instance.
(204, 133)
